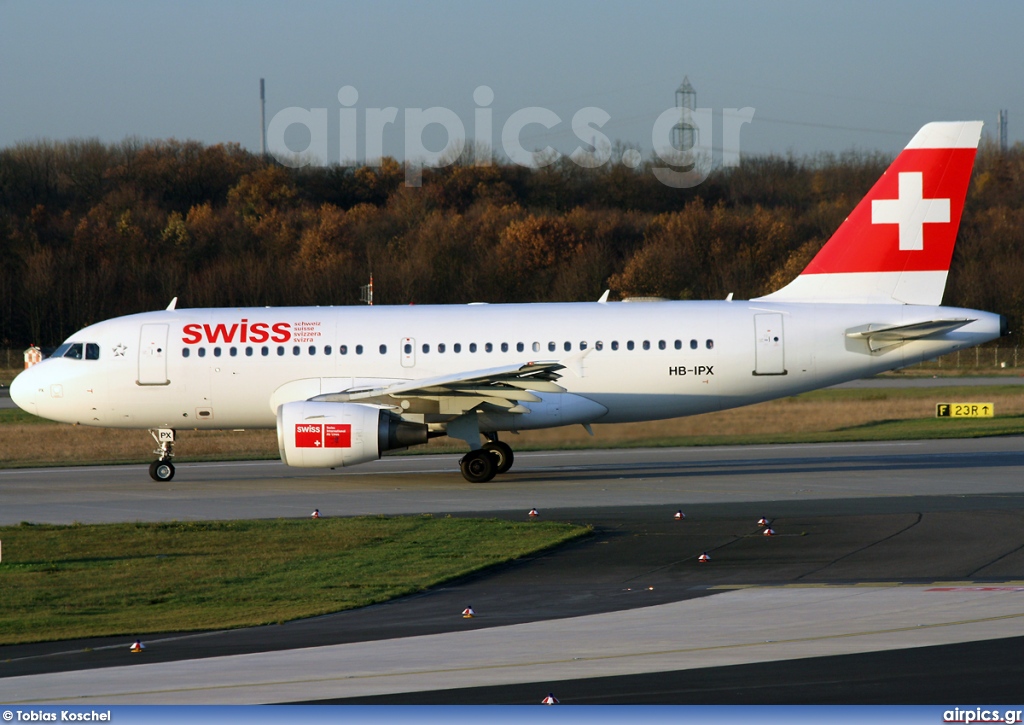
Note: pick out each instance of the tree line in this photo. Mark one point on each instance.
(90, 230)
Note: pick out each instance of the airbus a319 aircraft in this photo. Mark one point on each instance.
(344, 384)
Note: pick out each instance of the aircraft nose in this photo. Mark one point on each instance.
(23, 392)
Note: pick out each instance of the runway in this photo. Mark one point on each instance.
(902, 557)
(551, 480)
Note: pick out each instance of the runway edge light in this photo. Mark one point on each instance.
(679, 515)
(468, 613)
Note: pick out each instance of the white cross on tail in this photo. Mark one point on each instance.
(911, 211)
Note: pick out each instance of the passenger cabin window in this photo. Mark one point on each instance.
(520, 347)
(661, 344)
(185, 352)
(327, 349)
(440, 347)
(216, 351)
(629, 345)
(457, 347)
(233, 351)
(264, 351)
(312, 349)
(343, 349)
(280, 350)
(359, 349)
(679, 344)
(248, 351)
(710, 344)
(615, 344)
(536, 347)
(488, 347)
(647, 344)
(407, 349)
(551, 347)
(202, 352)
(472, 347)
(383, 349)
(693, 344)
(426, 348)
(296, 349)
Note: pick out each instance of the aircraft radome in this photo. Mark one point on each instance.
(344, 384)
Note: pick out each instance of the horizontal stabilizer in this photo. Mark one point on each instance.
(880, 337)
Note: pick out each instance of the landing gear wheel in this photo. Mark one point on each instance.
(161, 470)
(502, 453)
(478, 466)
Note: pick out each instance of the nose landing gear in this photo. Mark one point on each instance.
(162, 469)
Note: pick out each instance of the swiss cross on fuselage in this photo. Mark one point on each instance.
(911, 211)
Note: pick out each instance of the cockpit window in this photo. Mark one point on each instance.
(74, 351)
(78, 351)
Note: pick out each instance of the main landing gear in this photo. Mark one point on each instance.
(486, 462)
(162, 469)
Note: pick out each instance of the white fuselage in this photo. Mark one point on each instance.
(231, 368)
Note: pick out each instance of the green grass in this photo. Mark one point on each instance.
(65, 582)
(17, 416)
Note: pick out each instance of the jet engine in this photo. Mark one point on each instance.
(328, 435)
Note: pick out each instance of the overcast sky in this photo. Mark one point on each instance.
(820, 76)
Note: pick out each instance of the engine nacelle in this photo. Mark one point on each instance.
(328, 435)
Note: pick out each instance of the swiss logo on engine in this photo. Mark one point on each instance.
(338, 435)
(309, 435)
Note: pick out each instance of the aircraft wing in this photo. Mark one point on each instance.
(505, 388)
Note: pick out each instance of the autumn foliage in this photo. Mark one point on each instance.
(89, 231)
